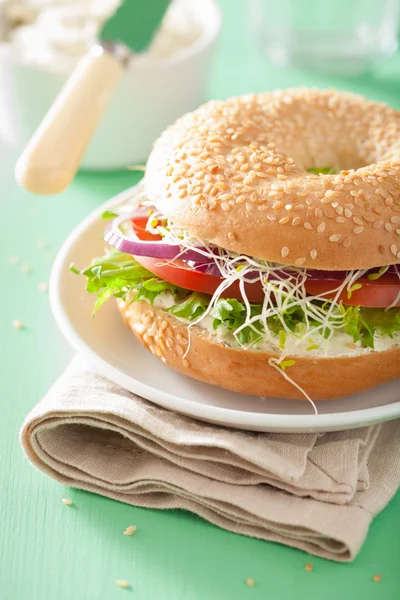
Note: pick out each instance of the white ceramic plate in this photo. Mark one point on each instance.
(114, 352)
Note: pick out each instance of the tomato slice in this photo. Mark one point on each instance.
(378, 293)
(180, 274)
(139, 226)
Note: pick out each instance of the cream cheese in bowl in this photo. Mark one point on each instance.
(56, 33)
(43, 40)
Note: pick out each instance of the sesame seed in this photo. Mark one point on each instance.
(329, 213)
(395, 219)
(122, 583)
(335, 237)
(130, 530)
(307, 225)
(17, 324)
(393, 249)
(351, 345)
(346, 242)
(250, 582)
(321, 227)
(66, 501)
(308, 567)
(42, 243)
(284, 251)
(313, 254)
(388, 227)
(296, 221)
(377, 224)
(377, 578)
(299, 262)
(283, 221)
(358, 230)
(226, 206)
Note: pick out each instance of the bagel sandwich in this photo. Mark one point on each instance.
(261, 251)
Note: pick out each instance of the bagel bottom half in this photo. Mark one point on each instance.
(248, 371)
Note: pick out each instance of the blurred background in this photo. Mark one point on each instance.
(203, 49)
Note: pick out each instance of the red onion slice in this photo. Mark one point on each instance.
(134, 246)
(205, 264)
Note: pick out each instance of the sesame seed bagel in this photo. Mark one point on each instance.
(248, 371)
(234, 173)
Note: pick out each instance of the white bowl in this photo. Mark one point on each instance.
(151, 95)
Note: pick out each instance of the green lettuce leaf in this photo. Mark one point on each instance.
(192, 307)
(322, 170)
(108, 214)
(232, 314)
(119, 275)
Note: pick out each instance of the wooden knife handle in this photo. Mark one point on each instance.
(52, 156)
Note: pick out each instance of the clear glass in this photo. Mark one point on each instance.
(345, 37)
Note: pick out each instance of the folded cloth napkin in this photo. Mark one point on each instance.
(317, 492)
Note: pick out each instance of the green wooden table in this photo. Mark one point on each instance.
(49, 551)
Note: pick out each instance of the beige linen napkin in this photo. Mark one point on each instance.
(314, 492)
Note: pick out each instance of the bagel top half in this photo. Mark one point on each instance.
(235, 173)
